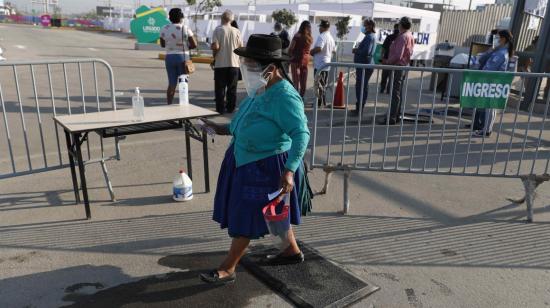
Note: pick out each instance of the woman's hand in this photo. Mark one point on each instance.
(220, 129)
(287, 182)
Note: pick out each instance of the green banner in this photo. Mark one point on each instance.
(147, 24)
(485, 90)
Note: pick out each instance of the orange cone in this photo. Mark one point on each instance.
(338, 101)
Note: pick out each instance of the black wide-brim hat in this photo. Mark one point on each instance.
(264, 48)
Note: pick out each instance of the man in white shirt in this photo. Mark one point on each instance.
(226, 68)
(322, 52)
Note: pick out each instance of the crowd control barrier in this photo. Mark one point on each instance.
(32, 93)
(433, 133)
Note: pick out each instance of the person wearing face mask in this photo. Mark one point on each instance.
(494, 60)
(401, 51)
(384, 84)
(363, 54)
(322, 52)
(270, 137)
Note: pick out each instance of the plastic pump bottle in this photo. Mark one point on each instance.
(138, 105)
(183, 88)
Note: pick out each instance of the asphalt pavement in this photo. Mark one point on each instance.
(426, 240)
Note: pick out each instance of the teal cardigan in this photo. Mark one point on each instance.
(273, 122)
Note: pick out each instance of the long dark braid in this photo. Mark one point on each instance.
(281, 67)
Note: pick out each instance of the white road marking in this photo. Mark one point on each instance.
(93, 49)
(20, 46)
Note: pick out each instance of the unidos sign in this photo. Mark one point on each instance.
(485, 90)
(148, 23)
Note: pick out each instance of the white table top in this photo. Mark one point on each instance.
(124, 117)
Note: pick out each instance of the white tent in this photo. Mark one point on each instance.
(426, 37)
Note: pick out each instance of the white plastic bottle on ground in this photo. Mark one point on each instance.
(183, 88)
(183, 187)
(138, 105)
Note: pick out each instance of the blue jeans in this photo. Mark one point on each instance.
(362, 84)
(174, 68)
(484, 119)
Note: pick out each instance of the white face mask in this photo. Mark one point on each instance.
(254, 77)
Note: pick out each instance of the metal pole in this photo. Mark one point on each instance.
(347, 174)
(543, 46)
(517, 18)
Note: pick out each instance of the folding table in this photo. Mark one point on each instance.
(120, 123)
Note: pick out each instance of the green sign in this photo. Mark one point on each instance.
(485, 90)
(148, 23)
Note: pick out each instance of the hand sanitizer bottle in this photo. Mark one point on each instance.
(138, 106)
(184, 89)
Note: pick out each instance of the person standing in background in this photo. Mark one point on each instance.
(525, 62)
(235, 25)
(494, 60)
(364, 54)
(279, 31)
(384, 84)
(401, 51)
(322, 52)
(226, 68)
(175, 39)
(299, 56)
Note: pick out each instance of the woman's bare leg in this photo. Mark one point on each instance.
(293, 248)
(237, 250)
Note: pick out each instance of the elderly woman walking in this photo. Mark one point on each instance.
(270, 137)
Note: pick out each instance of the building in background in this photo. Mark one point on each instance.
(436, 6)
(476, 25)
(429, 6)
(6, 8)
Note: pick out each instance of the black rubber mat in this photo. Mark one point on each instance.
(317, 282)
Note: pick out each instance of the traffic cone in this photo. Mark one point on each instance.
(338, 101)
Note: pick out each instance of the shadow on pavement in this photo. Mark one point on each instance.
(177, 289)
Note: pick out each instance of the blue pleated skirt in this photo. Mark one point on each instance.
(242, 193)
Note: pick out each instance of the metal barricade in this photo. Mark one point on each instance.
(32, 93)
(433, 133)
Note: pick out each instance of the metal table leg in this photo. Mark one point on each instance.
(78, 143)
(205, 161)
(188, 150)
(70, 151)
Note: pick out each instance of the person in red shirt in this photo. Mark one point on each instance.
(299, 56)
(401, 51)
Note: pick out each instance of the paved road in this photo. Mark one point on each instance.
(428, 241)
